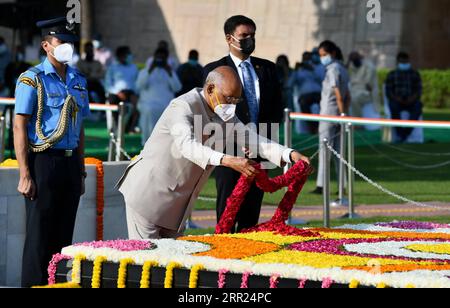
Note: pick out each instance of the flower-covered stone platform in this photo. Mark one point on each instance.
(397, 255)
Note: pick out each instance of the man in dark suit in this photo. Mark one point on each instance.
(262, 103)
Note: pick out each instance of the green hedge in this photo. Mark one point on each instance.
(436, 87)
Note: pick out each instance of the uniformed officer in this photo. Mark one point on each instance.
(51, 102)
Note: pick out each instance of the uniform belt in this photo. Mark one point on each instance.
(61, 153)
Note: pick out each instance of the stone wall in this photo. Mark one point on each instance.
(12, 217)
(284, 27)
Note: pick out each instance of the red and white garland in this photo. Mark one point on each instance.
(294, 179)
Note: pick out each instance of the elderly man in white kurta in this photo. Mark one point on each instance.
(162, 184)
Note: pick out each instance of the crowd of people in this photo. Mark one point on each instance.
(115, 77)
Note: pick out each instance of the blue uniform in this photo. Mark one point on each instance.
(55, 93)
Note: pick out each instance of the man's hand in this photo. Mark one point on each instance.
(296, 157)
(27, 187)
(242, 165)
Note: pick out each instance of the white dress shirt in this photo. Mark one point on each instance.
(238, 63)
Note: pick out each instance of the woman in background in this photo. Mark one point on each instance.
(157, 87)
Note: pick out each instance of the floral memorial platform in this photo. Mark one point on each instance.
(271, 255)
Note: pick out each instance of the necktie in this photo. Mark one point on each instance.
(250, 92)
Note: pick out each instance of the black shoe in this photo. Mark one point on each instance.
(317, 191)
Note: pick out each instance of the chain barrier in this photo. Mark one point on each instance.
(379, 187)
(403, 164)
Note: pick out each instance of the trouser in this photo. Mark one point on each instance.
(329, 131)
(51, 215)
(147, 121)
(415, 112)
(248, 215)
(140, 228)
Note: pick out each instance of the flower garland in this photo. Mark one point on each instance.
(193, 277)
(222, 278)
(97, 272)
(294, 179)
(354, 284)
(245, 277)
(146, 272)
(66, 285)
(100, 194)
(327, 283)
(274, 281)
(168, 281)
(122, 279)
(53, 265)
(302, 283)
(76, 268)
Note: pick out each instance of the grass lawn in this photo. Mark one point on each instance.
(341, 222)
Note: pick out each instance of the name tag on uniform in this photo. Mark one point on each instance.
(79, 87)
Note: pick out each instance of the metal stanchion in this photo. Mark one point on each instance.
(2, 138)
(120, 131)
(190, 224)
(288, 144)
(351, 175)
(111, 147)
(342, 201)
(326, 184)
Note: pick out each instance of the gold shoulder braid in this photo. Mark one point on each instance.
(69, 107)
(27, 80)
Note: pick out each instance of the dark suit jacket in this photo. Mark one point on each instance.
(271, 104)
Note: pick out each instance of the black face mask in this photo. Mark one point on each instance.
(248, 45)
(357, 63)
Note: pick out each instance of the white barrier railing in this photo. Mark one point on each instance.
(347, 136)
(116, 139)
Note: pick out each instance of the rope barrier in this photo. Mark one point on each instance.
(367, 121)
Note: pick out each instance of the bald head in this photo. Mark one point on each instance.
(225, 81)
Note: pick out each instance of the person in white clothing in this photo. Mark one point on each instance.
(157, 86)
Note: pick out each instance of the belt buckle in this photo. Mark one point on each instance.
(68, 153)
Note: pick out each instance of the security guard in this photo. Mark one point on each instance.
(51, 102)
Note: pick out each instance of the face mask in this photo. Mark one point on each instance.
(326, 60)
(225, 111)
(193, 62)
(129, 59)
(20, 57)
(63, 53)
(3, 48)
(159, 62)
(97, 44)
(357, 63)
(404, 66)
(248, 45)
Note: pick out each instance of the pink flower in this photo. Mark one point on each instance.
(53, 265)
(222, 278)
(245, 277)
(121, 245)
(326, 283)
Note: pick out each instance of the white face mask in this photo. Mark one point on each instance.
(225, 111)
(63, 53)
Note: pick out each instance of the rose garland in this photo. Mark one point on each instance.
(245, 277)
(294, 179)
(100, 194)
(122, 279)
(97, 272)
(274, 281)
(146, 272)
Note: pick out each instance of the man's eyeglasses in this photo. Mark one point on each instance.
(234, 100)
